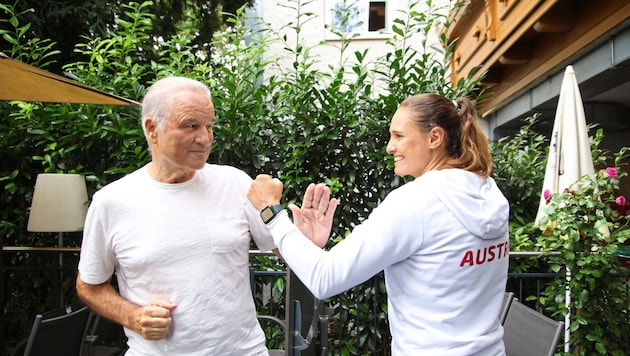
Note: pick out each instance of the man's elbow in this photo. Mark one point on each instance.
(81, 287)
(86, 290)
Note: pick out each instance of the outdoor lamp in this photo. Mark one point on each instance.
(59, 204)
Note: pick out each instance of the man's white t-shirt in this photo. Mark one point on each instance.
(188, 243)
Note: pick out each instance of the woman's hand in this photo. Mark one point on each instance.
(315, 217)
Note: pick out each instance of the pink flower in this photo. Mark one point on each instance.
(547, 194)
(612, 172)
(621, 207)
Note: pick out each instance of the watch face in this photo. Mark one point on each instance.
(266, 214)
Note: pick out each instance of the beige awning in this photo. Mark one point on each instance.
(20, 81)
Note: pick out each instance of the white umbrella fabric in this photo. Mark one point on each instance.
(570, 155)
(570, 151)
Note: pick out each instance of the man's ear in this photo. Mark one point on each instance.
(436, 137)
(151, 128)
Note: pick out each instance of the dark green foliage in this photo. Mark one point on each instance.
(519, 170)
(67, 22)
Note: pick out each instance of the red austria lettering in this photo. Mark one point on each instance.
(486, 254)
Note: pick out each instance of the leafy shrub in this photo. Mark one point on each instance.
(583, 224)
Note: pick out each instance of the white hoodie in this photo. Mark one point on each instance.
(443, 243)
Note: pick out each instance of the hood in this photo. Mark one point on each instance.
(476, 202)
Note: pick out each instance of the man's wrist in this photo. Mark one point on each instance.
(270, 212)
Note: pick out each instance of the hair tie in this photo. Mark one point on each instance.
(456, 104)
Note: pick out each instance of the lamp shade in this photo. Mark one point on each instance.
(59, 203)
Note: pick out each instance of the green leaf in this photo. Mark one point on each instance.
(7, 37)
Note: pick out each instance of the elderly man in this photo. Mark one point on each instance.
(176, 233)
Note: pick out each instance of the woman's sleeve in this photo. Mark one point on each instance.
(391, 233)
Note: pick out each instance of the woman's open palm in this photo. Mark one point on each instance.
(315, 217)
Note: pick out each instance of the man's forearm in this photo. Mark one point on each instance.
(104, 300)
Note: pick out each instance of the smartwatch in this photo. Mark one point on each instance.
(270, 212)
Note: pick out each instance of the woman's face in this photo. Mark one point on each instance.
(409, 146)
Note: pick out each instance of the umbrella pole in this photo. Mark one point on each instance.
(567, 317)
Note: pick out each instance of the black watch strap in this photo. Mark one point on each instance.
(270, 212)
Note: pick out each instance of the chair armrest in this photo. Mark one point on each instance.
(19, 348)
(273, 319)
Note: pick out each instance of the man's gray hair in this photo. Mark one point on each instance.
(156, 103)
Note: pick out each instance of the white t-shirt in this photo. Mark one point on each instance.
(442, 241)
(188, 243)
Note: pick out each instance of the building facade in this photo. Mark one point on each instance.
(524, 46)
(369, 25)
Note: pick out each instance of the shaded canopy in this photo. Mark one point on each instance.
(23, 82)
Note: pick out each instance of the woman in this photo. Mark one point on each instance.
(442, 239)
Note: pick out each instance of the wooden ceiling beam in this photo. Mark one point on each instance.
(492, 77)
(558, 19)
(517, 54)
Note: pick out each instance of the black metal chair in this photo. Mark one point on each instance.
(58, 332)
(104, 337)
(530, 333)
(268, 322)
(292, 327)
(508, 297)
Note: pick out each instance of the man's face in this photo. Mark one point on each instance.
(184, 144)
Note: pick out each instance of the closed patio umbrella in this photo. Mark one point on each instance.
(569, 154)
(20, 81)
(569, 151)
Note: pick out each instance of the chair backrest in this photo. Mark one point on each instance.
(530, 333)
(267, 322)
(59, 332)
(104, 337)
(508, 297)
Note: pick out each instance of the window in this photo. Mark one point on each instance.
(376, 18)
(357, 16)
